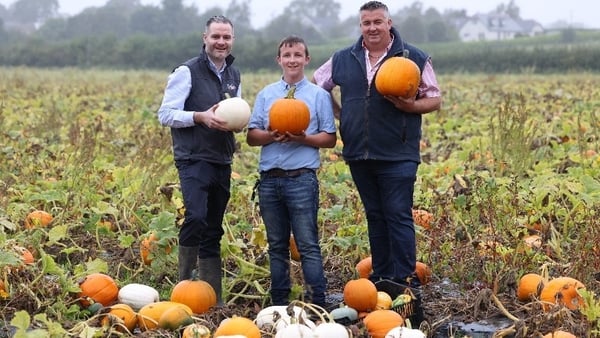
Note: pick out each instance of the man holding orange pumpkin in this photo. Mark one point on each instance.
(288, 189)
(381, 136)
(203, 148)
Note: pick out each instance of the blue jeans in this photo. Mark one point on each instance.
(291, 204)
(205, 189)
(386, 190)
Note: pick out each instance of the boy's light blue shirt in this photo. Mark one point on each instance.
(292, 155)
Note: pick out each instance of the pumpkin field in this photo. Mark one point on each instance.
(509, 186)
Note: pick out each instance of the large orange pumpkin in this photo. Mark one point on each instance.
(562, 291)
(398, 76)
(98, 287)
(289, 114)
(38, 219)
(530, 285)
(238, 326)
(197, 294)
(360, 294)
(380, 322)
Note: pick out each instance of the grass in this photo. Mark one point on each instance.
(507, 157)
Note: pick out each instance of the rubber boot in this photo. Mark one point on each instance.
(188, 261)
(209, 270)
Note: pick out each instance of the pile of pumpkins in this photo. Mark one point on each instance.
(139, 306)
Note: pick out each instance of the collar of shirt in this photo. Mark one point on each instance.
(372, 69)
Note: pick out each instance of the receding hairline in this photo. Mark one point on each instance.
(373, 5)
(218, 19)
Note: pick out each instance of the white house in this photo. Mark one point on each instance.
(496, 26)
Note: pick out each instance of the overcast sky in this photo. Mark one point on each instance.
(544, 11)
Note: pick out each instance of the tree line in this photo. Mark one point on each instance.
(127, 34)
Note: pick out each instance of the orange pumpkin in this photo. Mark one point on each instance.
(530, 285)
(380, 322)
(559, 334)
(196, 330)
(175, 318)
(238, 326)
(422, 218)
(38, 219)
(360, 294)
(120, 314)
(149, 246)
(398, 76)
(289, 114)
(98, 287)
(26, 255)
(149, 314)
(3, 290)
(364, 267)
(562, 291)
(423, 273)
(294, 253)
(197, 294)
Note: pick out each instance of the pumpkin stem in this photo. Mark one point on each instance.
(227, 96)
(291, 92)
(405, 53)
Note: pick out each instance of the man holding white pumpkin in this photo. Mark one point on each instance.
(203, 148)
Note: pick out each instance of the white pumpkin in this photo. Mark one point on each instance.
(138, 295)
(276, 317)
(330, 330)
(234, 110)
(404, 332)
(295, 331)
(344, 312)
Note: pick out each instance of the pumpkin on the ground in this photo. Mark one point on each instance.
(149, 315)
(197, 294)
(38, 219)
(559, 334)
(149, 247)
(423, 273)
(195, 330)
(398, 76)
(530, 285)
(99, 288)
(289, 114)
(120, 314)
(138, 295)
(422, 218)
(562, 291)
(294, 252)
(360, 294)
(238, 326)
(175, 318)
(380, 322)
(364, 267)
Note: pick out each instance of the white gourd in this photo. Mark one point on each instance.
(234, 110)
(330, 330)
(276, 317)
(138, 295)
(404, 332)
(295, 331)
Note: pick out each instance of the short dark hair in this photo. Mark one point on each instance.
(218, 19)
(373, 5)
(290, 41)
